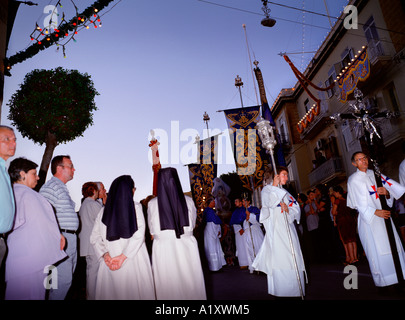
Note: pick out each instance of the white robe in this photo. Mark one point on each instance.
(134, 280)
(361, 196)
(253, 237)
(402, 173)
(212, 246)
(240, 243)
(275, 256)
(176, 262)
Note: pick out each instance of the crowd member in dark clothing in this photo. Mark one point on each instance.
(346, 224)
(326, 232)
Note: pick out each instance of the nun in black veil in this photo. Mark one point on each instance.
(176, 260)
(118, 238)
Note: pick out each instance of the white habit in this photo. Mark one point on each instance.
(275, 256)
(134, 280)
(176, 262)
(212, 246)
(253, 237)
(362, 195)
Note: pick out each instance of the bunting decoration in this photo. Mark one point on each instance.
(304, 81)
(203, 173)
(43, 38)
(357, 70)
(250, 157)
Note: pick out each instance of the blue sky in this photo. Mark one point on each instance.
(160, 65)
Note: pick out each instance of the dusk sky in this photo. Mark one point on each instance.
(160, 65)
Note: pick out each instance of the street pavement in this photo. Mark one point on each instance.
(326, 281)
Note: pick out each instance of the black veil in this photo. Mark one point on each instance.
(173, 211)
(119, 213)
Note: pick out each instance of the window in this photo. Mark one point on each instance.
(373, 40)
(330, 80)
(306, 105)
(391, 98)
(370, 30)
(347, 56)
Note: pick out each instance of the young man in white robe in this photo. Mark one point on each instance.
(212, 235)
(363, 195)
(276, 257)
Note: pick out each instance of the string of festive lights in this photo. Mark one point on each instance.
(43, 37)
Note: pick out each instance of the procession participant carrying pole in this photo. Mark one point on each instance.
(267, 137)
(366, 120)
(251, 236)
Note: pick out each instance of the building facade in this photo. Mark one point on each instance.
(318, 150)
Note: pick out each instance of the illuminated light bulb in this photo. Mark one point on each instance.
(87, 27)
(39, 42)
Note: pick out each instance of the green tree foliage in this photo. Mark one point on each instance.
(53, 107)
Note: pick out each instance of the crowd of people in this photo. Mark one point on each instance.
(148, 250)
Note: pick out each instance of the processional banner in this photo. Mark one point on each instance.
(250, 157)
(203, 173)
(359, 70)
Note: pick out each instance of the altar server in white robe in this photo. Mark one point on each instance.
(118, 238)
(252, 232)
(176, 260)
(363, 195)
(212, 235)
(237, 219)
(275, 257)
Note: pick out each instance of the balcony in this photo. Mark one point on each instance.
(318, 123)
(327, 171)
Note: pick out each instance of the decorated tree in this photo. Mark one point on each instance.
(52, 107)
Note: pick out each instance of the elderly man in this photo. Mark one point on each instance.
(7, 205)
(363, 195)
(56, 192)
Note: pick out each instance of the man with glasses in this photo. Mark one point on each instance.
(56, 192)
(363, 195)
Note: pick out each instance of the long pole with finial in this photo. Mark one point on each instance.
(250, 60)
(206, 119)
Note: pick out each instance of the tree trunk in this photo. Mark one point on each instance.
(51, 143)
